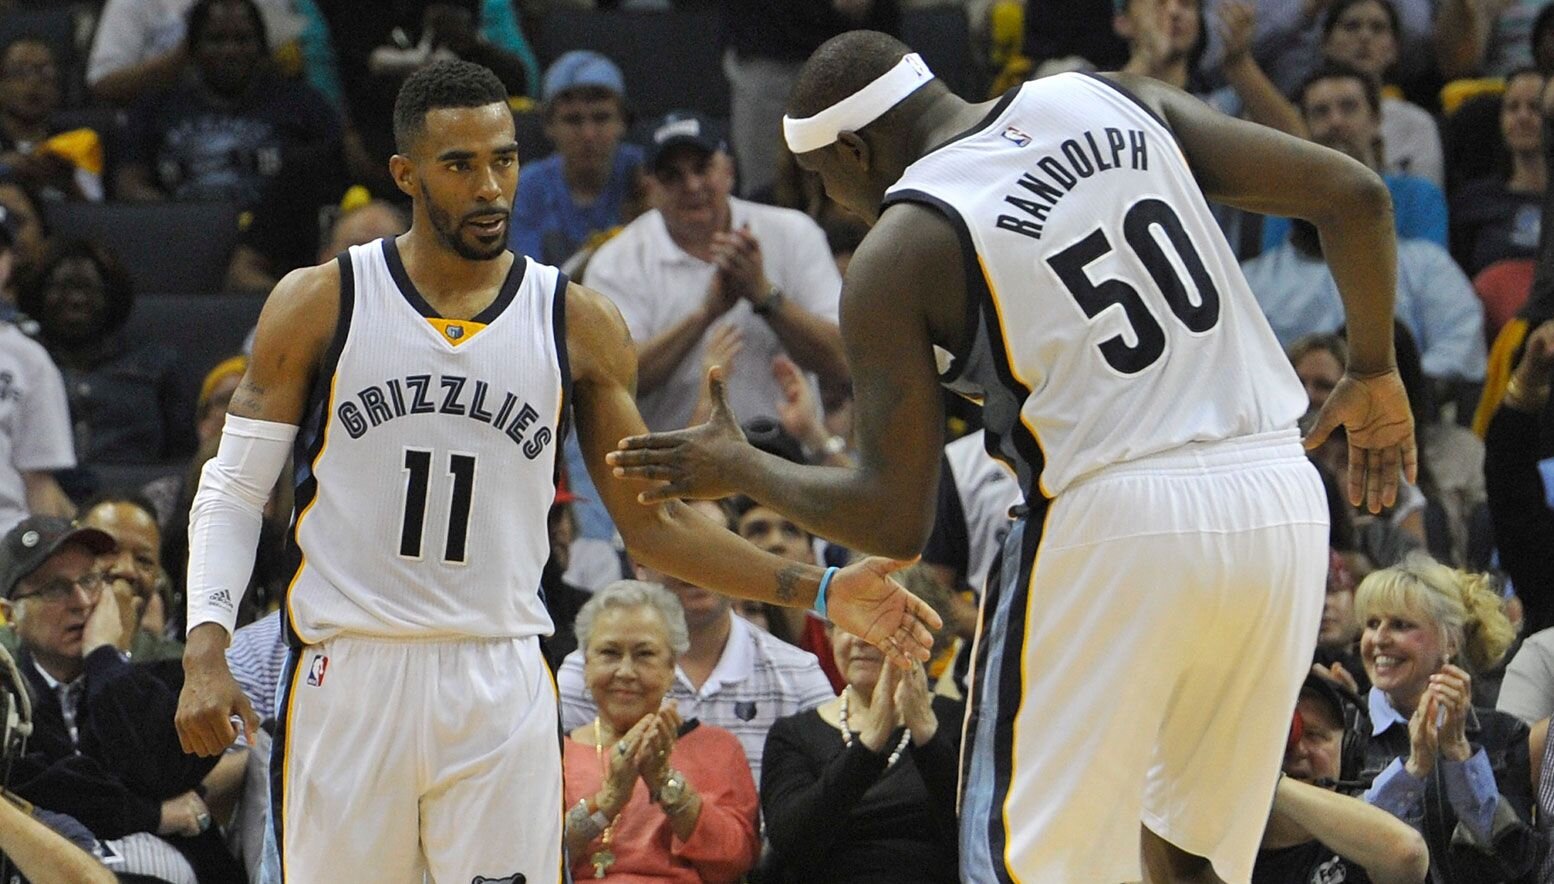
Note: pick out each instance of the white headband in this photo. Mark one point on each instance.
(858, 109)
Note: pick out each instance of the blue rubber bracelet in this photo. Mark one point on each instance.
(820, 595)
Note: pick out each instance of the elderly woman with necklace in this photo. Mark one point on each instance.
(862, 788)
(650, 797)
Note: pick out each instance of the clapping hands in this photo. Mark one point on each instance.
(658, 740)
(1438, 726)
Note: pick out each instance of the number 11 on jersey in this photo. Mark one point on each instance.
(418, 470)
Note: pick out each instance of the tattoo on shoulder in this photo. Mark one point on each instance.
(788, 583)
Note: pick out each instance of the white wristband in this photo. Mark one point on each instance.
(228, 511)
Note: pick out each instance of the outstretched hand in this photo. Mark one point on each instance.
(695, 463)
(1374, 411)
(865, 601)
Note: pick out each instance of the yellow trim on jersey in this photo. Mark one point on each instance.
(287, 758)
(302, 559)
(1025, 680)
(456, 331)
(561, 873)
(1014, 369)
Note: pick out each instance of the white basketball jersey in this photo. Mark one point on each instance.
(1111, 319)
(426, 462)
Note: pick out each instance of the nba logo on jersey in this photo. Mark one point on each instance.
(1019, 138)
(316, 670)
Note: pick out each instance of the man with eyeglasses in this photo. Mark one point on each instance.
(103, 749)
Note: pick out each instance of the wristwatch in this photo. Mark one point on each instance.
(774, 299)
(673, 793)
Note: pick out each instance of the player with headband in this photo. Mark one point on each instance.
(1051, 255)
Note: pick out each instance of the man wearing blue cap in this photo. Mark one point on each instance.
(584, 187)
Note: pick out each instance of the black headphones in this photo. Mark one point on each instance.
(15, 713)
(1356, 723)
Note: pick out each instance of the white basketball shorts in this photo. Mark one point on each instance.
(1139, 661)
(400, 758)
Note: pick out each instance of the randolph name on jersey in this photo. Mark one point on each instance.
(1061, 171)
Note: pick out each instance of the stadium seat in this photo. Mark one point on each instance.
(1503, 288)
(204, 329)
(1472, 141)
(181, 248)
(532, 142)
(942, 37)
(670, 59)
(121, 476)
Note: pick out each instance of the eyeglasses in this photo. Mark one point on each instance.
(59, 589)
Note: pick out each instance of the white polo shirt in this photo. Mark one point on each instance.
(759, 679)
(656, 284)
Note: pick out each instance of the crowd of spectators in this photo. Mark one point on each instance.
(763, 744)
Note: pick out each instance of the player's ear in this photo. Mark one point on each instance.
(854, 150)
(403, 172)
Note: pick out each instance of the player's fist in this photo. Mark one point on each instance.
(210, 698)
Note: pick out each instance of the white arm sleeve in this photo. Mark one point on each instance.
(227, 513)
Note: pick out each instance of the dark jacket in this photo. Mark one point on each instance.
(836, 814)
(1513, 856)
(1523, 522)
(128, 760)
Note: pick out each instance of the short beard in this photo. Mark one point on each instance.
(447, 232)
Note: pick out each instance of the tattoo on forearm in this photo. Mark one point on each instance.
(248, 399)
(788, 583)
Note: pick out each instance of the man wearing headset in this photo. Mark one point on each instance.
(1315, 834)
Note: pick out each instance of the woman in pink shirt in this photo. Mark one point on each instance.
(649, 797)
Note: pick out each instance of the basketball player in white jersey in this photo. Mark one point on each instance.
(423, 382)
(1051, 254)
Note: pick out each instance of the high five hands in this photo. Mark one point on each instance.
(703, 463)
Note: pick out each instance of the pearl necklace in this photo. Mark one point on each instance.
(847, 732)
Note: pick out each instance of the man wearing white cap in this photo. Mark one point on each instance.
(1051, 254)
(705, 269)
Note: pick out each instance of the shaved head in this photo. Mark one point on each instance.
(841, 66)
